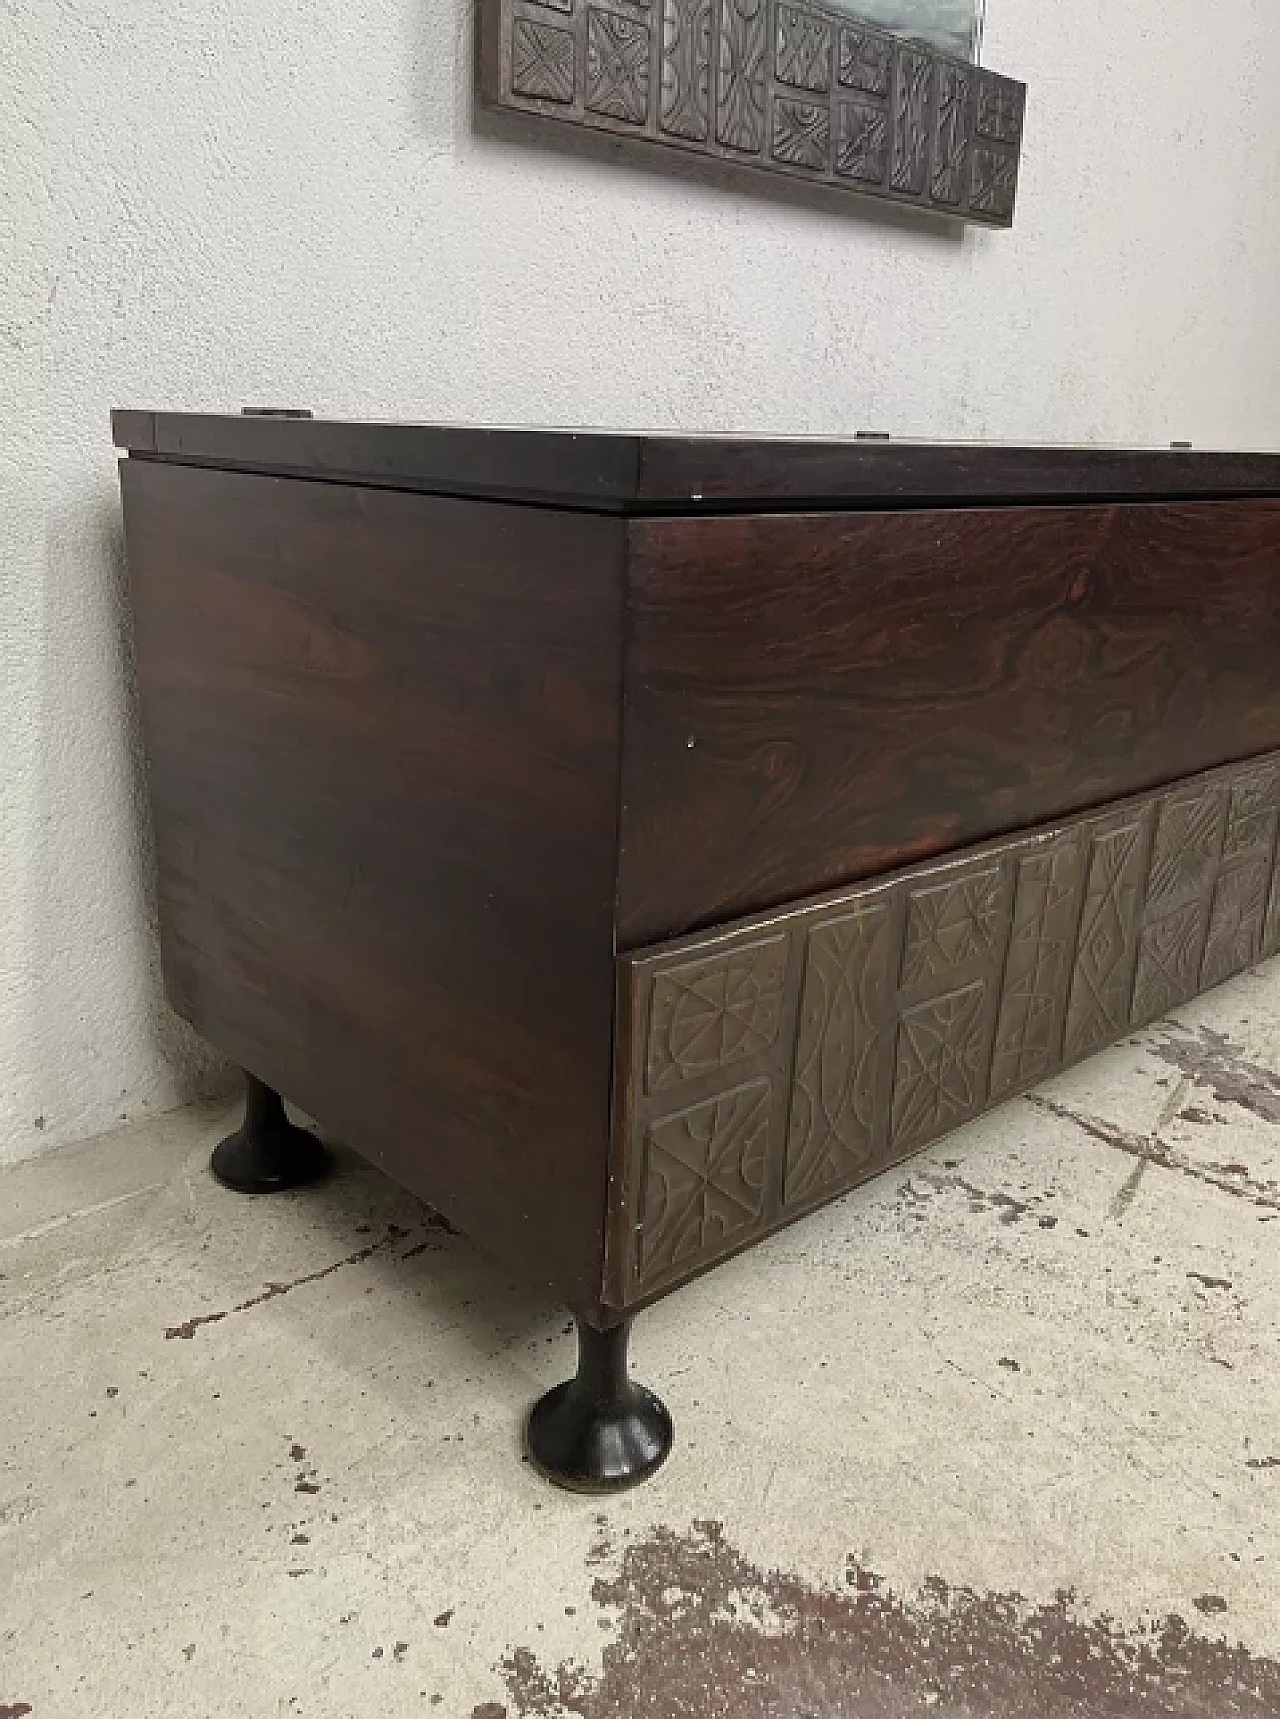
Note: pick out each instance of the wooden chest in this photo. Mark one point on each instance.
(632, 842)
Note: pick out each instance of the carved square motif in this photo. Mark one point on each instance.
(707, 1014)
(938, 1075)
(801, 133)
(541, 61)
(703, 1181)
(950, 925)
(951, 134)
(803, 49)
(866, 62)
(617, 66)
(994, 183)
(999, 109)
(862, 142)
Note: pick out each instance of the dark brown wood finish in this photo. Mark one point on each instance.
(815, 699)
(767, 1066)
(383, 742)
(685, 474)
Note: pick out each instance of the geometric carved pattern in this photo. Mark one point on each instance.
(1188, 842)
(866, 62)
(1035, 974)
(1169, 957)
(1271, 930)
(686, 68)
(1098, 1010)
(949, 925)
(708, 1014)
(751, 81)
(862, 146)
(704, 1182)
(910, 154)
(999, 109)
(832, 1126)
(937, 1082)
(740, 83)
(1235, 922)
(542, 61)
(803, 48)
(774, 1063)
(801, 133)
(951, 134)
(617, 66)
(994, 184)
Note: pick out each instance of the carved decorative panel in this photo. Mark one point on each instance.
(912, 92)
(1041, 944)
(707, 1015)
(686, 69)
(740, 75)
(769, 1065)
(802, 48)
(782, 85)
(801, 133)
(951, 134)
(704, 1178)
(1107, 947)
(542, 61)
(617, 66)
(862, 147)
(839, 1069)
(866, 62)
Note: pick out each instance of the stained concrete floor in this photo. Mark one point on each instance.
(964, 1443)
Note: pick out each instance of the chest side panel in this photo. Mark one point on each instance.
(382, 733)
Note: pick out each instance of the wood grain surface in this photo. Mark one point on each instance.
(382, 735)
(813, 699)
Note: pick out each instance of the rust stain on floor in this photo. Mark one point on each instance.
(702, 1633)
(1228, 1178)
(1217, 1062)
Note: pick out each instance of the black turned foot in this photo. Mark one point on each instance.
(269, 1153)
(599, 1432)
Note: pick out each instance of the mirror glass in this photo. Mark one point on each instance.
(953, 26)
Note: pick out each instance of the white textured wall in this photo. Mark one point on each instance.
(220, 202)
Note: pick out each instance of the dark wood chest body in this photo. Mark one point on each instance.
(630, 843)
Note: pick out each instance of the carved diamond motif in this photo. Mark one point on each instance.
(541, 61)
(617, 66)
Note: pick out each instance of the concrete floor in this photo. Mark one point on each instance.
(1042, 1360)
